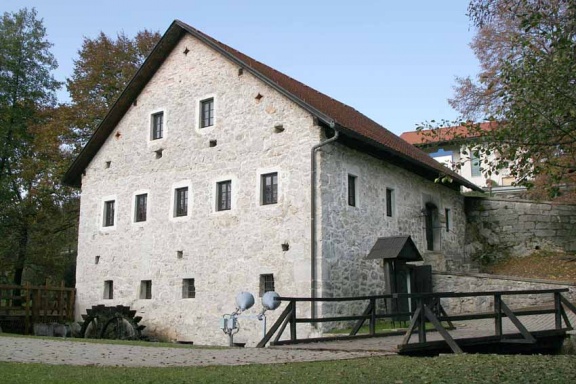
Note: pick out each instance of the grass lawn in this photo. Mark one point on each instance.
(392, 369)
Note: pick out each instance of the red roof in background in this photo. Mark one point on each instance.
(444, 135)
(344, 118)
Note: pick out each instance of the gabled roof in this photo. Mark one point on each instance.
(446, 135)
(395, 248)
(356, 130)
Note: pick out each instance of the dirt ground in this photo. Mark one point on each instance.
(539, 265)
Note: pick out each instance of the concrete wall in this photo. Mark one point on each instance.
(225, 252)
(454, 282)
(500, 227)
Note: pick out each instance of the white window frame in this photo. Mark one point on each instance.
(172, 212)
(259, 187)
(198, 114)
(136, 193)
(101, 216)
(151, 123)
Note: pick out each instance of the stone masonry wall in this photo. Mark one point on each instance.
(349, 232)
(225, 252)
(454, 282)
(502, 227)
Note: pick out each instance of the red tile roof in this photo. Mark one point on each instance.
(344, 118)
(445, 135)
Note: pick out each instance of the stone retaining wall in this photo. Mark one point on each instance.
(499, 227)
(461, 282)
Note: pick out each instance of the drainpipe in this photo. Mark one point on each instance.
(313, 281)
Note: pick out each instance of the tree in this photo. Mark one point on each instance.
(33, 204)
(102, 71)
(527, 52)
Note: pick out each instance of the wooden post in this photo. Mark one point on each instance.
(27, 310)
(557, 311)
(71, 304)
(293, 322)
(61, 302)
(373, 317)
(498, 315)
(421, 322)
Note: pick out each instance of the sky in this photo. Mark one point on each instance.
(393, 60)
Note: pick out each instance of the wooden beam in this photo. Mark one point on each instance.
(275, 327)
(360, 322)
(449, 340)
(527, 335)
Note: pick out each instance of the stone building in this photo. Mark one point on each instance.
(214, 174)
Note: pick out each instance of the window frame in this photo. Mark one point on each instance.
(352, 194)
(267, 283)
(157, 130)
(475, 165)
(181, 207)
(109, 213)
(448, 219)
(188, 293)
(145, 289)
(140, 215)
(269, 197)
(206, 116)
(390, 202)
(108, 290)
(225, 205)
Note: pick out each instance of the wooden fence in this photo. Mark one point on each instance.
(22, 306)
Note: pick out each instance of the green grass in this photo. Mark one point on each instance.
(392, 369)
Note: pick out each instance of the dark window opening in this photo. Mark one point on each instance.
(207, 113)
(188, 289)
(109, 213)
(266, 283)
(108, 290)
(224, 195)
(146, 289)
(157, 125)
(181, 202)
(213, 143)
(447, 215)
(141, 207)
(389, 202)
(352, 190)
(269, 183)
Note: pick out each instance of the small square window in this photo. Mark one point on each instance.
(146, 289)
(141, 207)
(266, 283)
(224, 195)
(389, 202)
(157, 125)
(352, 190)
(108, 290)
(269, 184)
(188, 289)
(181, 202)
(109, 213)
(207, 113)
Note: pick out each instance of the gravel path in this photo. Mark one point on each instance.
(65, 352)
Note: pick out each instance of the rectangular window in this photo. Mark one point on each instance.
(269, 188)
(157, 125)
(181, 202)
(109, 213)
(146, 289)
(266, 283)
(389, 202)
(475, 164)
(207, 113)
(224, 195)
(352, 190)
(141, 207)
(108, 290)
(448, 216)
(188, 289)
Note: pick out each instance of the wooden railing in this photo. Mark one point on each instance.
(427, 308)
(34, 304)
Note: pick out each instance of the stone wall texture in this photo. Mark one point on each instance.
(454, 282)
(503, 227)
(226, 251)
